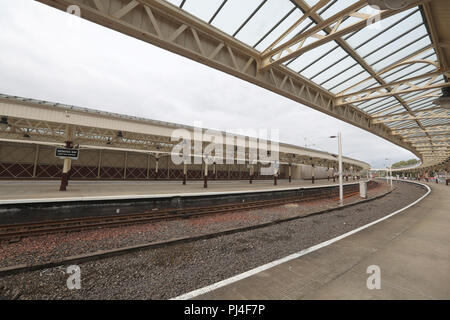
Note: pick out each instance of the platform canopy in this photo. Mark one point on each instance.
(380, 70)
(37, 122)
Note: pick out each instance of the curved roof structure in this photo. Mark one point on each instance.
(380, 70)
(41, 122)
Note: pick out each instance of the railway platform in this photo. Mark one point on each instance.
(20, 192)
(411, 249)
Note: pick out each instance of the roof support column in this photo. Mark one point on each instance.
(275, 176)
(36, 159)
(67, 161)
(156, 166)
(205, 176)
(184, 172)
(65, 174)
(125, 165)
(168, 168)
(99, 166)
(290, 172)
(148, 166)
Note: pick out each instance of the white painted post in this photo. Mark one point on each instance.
(341, 189)
(363, 189)
(390, 175)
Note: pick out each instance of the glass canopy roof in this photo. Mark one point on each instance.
(398, 47)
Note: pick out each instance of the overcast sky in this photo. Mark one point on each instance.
(49, 55)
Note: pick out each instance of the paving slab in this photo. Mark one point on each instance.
(411, 248)
(29, 191)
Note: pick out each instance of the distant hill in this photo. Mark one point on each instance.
(406, 163)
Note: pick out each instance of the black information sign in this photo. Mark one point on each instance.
(67, 153)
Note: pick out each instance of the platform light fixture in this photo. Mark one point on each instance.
(389, 4)
(444, 100)
(26, 134)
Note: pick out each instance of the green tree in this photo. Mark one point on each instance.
(406, 163)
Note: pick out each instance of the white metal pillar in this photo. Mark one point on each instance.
(156, 166)
(341, 188)
(390, 175)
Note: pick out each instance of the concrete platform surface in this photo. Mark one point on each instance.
(411, 248)
(37, 191)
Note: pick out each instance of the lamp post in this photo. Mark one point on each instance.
(389, 172)
(390, 175)
(341, 188)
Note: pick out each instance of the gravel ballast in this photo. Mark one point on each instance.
(54, 247)
(168, 272)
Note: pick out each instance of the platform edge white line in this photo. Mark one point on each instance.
(303, 252)
(153, 196)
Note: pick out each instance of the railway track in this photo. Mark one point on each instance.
(14, 232)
